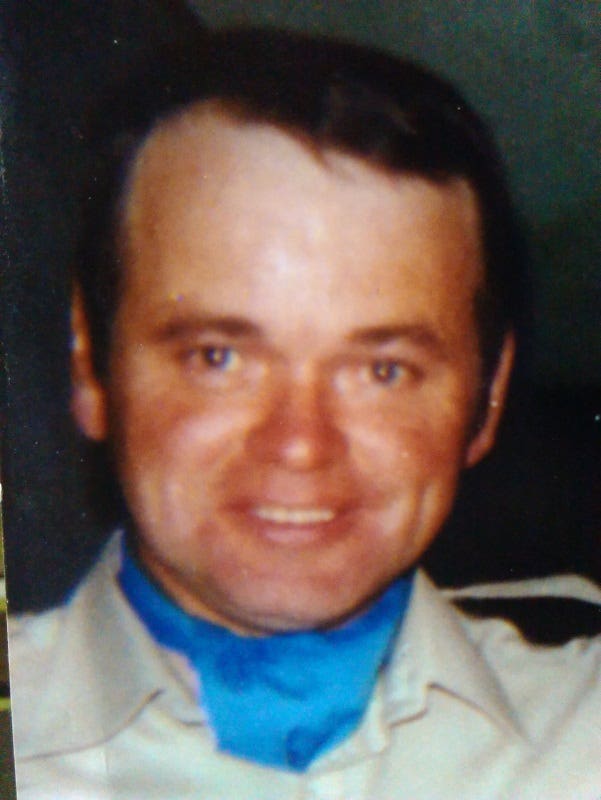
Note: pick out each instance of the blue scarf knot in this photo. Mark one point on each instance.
(284, 699)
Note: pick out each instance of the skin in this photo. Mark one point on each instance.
(294, 373)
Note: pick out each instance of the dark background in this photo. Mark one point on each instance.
(531, 67)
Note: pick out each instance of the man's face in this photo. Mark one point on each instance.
(294, 373)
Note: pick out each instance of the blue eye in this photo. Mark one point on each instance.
(224, 358)
(386, 371)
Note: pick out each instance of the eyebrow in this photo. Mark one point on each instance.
(183, 325)
(420, 335)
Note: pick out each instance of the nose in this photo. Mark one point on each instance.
(298, 429)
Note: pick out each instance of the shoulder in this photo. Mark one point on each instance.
(36, 639)
(77, 670)
(551, 610)
(546, 684)
(33, 637)
(44, 687)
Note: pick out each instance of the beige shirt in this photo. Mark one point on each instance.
(465, 709)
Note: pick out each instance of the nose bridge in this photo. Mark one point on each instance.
(298, 429)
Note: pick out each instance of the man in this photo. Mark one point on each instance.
(293, 326)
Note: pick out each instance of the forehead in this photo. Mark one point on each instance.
(209, 140)
(210, 191)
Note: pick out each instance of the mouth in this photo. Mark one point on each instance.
(290, 515)
(296, 525)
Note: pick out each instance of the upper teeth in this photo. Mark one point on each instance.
(294, 516)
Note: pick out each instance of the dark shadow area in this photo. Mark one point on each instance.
(57, 58)
(533, 507)
(542, 620)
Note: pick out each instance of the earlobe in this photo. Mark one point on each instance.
(88, 398)
(484, 438)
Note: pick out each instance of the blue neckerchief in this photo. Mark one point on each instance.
(283, 699)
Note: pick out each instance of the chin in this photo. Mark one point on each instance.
(280, 612)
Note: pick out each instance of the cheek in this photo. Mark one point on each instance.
(410, 444)
(168, 428)
(169, 463)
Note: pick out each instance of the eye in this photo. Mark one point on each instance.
(387, 371)
(222, 358)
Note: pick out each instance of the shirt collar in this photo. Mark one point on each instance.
(92, 695)
(435, 651)
(282, 699)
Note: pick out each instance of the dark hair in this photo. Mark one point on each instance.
(388, 112)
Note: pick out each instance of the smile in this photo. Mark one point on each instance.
(283, 515)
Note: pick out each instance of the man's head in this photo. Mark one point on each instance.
(306, 293)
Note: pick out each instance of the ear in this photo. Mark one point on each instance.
(484, 437)
(88, 396)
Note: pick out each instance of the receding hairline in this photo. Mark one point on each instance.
(234, 114)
